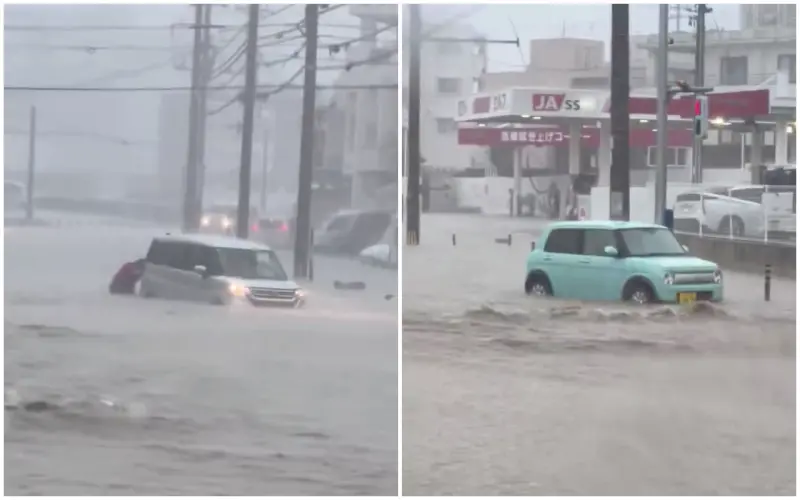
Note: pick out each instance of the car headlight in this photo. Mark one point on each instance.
(717, 276)
(300, 293)
(205, 221)
(669, 278)
(226, 223)
(237, 290)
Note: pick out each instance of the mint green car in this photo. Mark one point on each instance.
(615, 260)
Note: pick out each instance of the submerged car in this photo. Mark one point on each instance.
(217, 270)
(614, 260)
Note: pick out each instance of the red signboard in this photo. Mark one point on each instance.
(741, 104)
(481, 105)
(556, 136)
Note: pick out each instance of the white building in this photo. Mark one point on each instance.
(362, 125)
(450, 68)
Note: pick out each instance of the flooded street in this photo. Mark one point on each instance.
(128, 396)
(509, 395)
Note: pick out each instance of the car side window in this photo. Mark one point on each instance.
(564, 241)
(209, 257)
(157, 255)
(179, 256)
(596, 240)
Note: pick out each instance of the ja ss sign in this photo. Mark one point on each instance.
(555, 102)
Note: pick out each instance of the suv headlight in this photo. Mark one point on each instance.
(237, 290)
(300, 293)
(717, 276)
(205, 221)
(669, 278)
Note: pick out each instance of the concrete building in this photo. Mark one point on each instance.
(362, 123)
(448, 71)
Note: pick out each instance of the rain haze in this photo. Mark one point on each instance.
(509, 394)
(215, 365)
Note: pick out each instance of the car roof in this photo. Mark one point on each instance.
(215, 241)
(601, 224)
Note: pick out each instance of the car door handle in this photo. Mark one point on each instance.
(547, 259)
(585, 261)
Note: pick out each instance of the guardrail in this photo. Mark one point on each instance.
(743, 254)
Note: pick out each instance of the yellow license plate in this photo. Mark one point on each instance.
(687, 298)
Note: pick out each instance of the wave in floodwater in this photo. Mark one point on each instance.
(554, 326)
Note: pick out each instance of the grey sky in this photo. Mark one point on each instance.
(548, 21)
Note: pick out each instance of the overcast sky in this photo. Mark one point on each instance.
(500, 22)
(48, 57)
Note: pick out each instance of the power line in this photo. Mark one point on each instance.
(168, 27)
(24, 88)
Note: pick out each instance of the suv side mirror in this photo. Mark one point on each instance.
(201, 270)
(685, 248)
(611, 251)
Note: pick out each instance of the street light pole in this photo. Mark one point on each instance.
(662, 66)
(699, 80)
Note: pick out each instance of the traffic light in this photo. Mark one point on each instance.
(701, 116)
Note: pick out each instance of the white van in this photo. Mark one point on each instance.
(217, 270)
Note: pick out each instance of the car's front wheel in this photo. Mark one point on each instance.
(538, 285)
(639, 293)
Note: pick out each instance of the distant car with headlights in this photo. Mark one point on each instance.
(217, 270)
(221, 219)
(615, 260)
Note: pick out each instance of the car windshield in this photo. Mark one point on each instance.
(251, 264)
(651, 242)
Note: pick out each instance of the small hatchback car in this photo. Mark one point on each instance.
(611, 260)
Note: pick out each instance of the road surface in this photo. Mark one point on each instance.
(504, 394)
(148, 397)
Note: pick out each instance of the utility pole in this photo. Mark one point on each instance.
(413, 132)
(31, 164)
(302, 237)
(190, 182)
(207, 65)
(662, 66)
(699, 80)
(249, 103)
(620, 191)
(264, 158)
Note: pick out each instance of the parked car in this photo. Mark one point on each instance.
(217, 270)
(350, 231)
(714, 211)
(613, 260)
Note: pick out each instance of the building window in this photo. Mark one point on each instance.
(767, 15)
(676, 157)
(786, 62)
(445, 125)
(733, 70)
(448, 85)
(448, 48)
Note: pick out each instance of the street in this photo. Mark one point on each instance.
(149, 397)
(508, 395)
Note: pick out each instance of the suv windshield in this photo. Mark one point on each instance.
(651, 242)
(251, 264)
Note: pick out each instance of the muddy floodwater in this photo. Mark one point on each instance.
(127, 396)
(505, 394)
